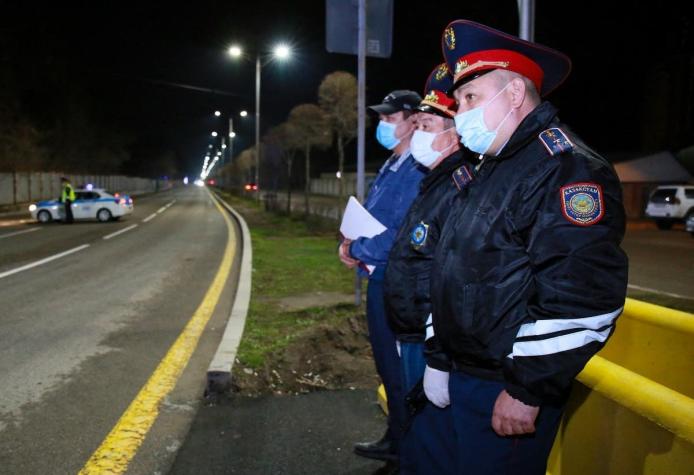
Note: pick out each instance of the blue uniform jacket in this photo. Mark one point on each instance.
(389, 199)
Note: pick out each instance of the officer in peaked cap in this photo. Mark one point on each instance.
(528, 276)
(388, 200)
(436, 146)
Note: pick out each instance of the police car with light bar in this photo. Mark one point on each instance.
(94, 203)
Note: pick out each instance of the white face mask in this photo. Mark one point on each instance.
(421, 147)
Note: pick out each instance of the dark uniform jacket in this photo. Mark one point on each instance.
(406, 285)
(529, 278)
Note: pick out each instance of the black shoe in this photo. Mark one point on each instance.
(384, 449)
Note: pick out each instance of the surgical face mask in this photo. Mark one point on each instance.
(385, 134)
(422, 149)
(472, 129)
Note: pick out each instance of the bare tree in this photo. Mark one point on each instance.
(337, 96)
(310, 126)
(20, 149)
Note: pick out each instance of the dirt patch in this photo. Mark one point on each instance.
(322, 357)
(296, 303)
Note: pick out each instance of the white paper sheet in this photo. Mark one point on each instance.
(358, 222)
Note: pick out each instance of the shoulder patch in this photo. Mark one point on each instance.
(582, 203)
(419, 235)
(555, 141)
(462, 177)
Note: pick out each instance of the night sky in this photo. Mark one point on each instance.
(630, 92)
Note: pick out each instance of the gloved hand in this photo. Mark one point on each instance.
(436, 387)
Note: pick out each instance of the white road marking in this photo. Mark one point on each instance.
(655, 291)
(121, 231)
(150, 217)
(2, 236)
(43, 261)
(165, 207)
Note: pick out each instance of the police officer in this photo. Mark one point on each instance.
(436, 146)
(528, 277)
(388, 200)
(67, 196)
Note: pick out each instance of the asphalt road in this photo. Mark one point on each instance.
(81, 334)
(661, 262)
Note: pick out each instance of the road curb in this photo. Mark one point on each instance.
(219, 371)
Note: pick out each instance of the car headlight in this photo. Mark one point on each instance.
(32, 208)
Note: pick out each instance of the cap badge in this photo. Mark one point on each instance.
(441, 72)
(460, 66)
(449, 36)
(432, 97)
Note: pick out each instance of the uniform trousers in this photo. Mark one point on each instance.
(427, 447)
(386, 358)
(478, 450)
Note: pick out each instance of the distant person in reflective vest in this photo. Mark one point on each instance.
(67, 196)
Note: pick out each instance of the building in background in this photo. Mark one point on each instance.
(640, 176)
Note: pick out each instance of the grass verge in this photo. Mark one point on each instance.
(291, 257)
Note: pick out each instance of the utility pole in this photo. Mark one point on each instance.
(361, 122)
(257, 125)
(526, 20)
(231, 138)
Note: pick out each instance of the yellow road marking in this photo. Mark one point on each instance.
(120, 446)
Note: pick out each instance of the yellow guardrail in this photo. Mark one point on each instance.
(659, 316)
(660, 404)
(634, 411)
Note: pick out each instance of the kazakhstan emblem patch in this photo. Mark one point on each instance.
(419, 235)
(582, 203)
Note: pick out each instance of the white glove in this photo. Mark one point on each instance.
(436, 387)
(397, 347)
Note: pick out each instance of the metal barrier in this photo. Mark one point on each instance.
(633, 412)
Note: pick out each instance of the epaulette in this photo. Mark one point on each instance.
(555, 141)
(462, 177)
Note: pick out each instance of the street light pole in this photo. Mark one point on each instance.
(231, 139)
(257, 124)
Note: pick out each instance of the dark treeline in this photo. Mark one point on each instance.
(53, 116)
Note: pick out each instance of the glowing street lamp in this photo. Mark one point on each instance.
(280, 52)
(217, 113)
(214, 134)
(235, 51)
